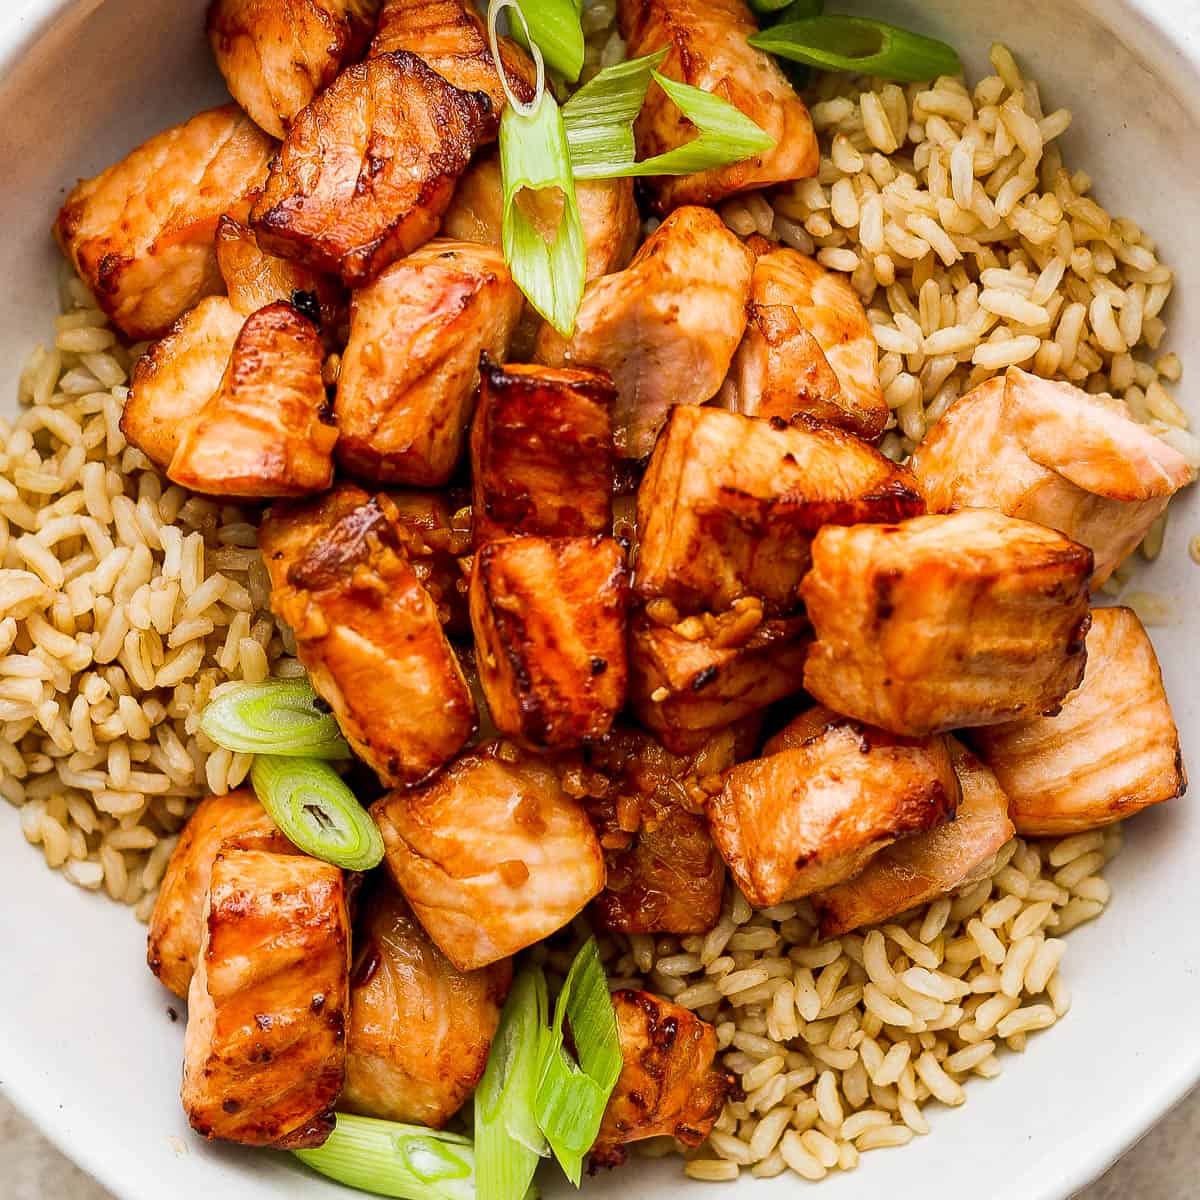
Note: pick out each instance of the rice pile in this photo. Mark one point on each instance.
(124, 601)
(837, 1046)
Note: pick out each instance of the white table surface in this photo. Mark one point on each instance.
(1163, 1166)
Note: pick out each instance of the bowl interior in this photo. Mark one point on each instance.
(89, 1043)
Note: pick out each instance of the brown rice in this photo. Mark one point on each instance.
(124, 601)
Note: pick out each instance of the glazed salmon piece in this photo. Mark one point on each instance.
(549, 617)
(178, 376)
(705, 672)
(368, 168)
(945, 622)
(254, 279)
(827, 795)
(607, 210)
(729, 506)
(264, 432)
(265, 1051)
(665, 328)
(492, 854)
(808, 347)
(276, 55)
(669, 1085)
(452, 39)
(141, 234)
(176, 925)
(707, 48)
(664, 874)
(410, 371)
(1050, 453)
(367, 631)
(920, 868)
(420, 1029)
(542, 452)
(1111, 751)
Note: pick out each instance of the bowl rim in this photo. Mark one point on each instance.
(1161, 32)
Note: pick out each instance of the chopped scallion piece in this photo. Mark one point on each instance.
(539, 194)
(405, 1161)
(315, 810)
(556, 28)
(283, 716)
(572, 1095)
(508, 1142)
(859, 45)
(495, 8)
(599, 123)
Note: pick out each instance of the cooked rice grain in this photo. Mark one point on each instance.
(837, 1046)
(124, 601)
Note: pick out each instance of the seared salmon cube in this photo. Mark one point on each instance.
(542, 452)
(492, 854)
(1111, 751)
(410, 372)
(276, 57)
(707, 48)
(808, 347)
(827, 795)
(1048, 452)
(368, 168)
(945, 622)
(254, 279)
(702, 673)
(451, 38)
(176, 925)
(264, 432)
(665, 328)
(178, 376)
(920, 868)
(368, 631)
(420, 1029)
(729, 505)
(265, 1051)
(549, 619)
(141, 234)
(669, 1086)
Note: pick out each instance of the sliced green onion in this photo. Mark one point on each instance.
(860, 45)
(283, 716)
(495, 8)
(389, 1159)
(571, 1096)
(508, 1142)
(599, 123)
(535, 165)
(316, 811)
(556, 28)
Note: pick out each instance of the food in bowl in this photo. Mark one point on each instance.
(873, 953)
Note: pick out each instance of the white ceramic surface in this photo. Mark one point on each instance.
(86, 1044)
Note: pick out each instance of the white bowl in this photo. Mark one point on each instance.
(86, 1043)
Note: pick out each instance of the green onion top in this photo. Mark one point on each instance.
(861, 46)
(281, 716)
(572, 1096)
(316, 811)
(508, 1142)
(389, 1159)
